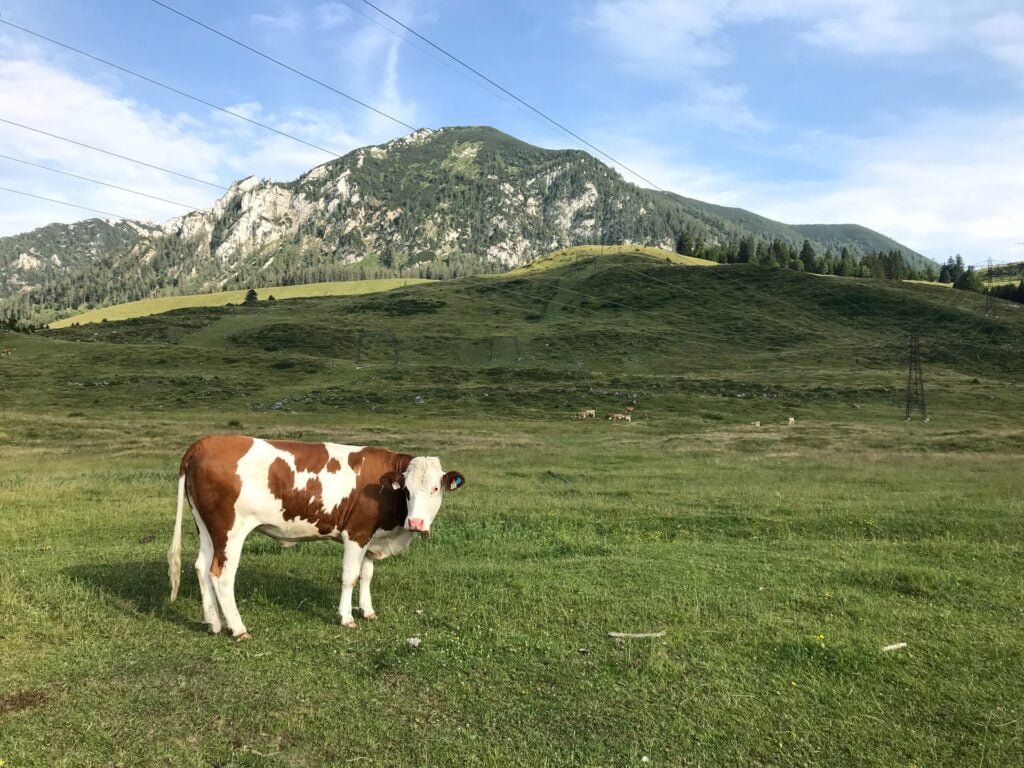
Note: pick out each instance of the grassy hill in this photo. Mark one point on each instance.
(572, 257)
(779, 561)
(157, 306)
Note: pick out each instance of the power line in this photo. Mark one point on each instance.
(61, 202)
(97, 181)
(113, 154)
(172, 89)
(506, 91)
(280, 63)
(457, 70)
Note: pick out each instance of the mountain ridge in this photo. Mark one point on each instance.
(435, 203)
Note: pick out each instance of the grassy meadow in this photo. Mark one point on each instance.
(777, 560)
(147, 307)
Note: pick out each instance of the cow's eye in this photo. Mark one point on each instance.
(434, 490)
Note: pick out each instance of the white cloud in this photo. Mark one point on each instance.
(368, 61)
(947, 184)
(333, 15)
(660, 38)
(288, 20)
(211, 146)
(943, 185)
(722, 106)
(1002, 38)
(667, 39)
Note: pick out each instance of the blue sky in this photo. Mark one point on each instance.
(906, 116)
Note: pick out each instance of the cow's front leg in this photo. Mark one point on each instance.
(350, 565)
(365, 577)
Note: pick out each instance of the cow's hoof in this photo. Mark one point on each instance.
(243, 636)
(371, 616)
(351, 624)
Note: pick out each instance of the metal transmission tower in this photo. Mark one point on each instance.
(915, 379)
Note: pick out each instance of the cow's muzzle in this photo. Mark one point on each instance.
(419, 525)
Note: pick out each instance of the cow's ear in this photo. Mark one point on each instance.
(392, 480)
(452, 481)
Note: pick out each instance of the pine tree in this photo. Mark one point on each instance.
(970, 280)
(809, 257)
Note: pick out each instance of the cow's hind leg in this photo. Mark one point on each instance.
(351, 563)
(222, 572)
(203, 563)
(365, 577)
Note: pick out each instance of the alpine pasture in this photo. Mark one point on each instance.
(778, 560)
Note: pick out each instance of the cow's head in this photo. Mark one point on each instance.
(424, 482)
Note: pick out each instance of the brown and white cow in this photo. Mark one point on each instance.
(370, 499)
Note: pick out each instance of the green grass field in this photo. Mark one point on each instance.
(157, 306)
(779, 561)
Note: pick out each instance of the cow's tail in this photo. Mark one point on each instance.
(174, 553)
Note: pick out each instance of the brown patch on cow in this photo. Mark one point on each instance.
(19, 700)
(309, 457)
(212, 485)
(371, 507)
(306, 503)
(333, 465)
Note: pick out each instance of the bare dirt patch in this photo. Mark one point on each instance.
(19, 700)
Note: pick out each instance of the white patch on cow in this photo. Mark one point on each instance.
(338, 485)
(388, 543)
(257, 501)
(423, 482)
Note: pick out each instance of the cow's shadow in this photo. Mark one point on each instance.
(142, 588)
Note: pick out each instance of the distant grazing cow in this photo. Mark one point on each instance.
(619, 417)
(371, 500)
(792, 421)
(5, 353)
(588, 414)
(630, 408)
(755, 423)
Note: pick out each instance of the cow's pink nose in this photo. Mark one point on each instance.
(417, 524)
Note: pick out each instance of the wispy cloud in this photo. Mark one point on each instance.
(288, 20)
(333, 15)
(210, 146)
(1002, 38)
(681, 35)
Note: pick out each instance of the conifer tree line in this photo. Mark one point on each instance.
(882, 265)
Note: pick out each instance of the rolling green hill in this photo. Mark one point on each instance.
(572, 256)
(545, 339)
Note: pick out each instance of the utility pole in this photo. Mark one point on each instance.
(990, 305)
(915, 379)
(359, 348)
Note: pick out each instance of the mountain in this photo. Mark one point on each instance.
(434, 204)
